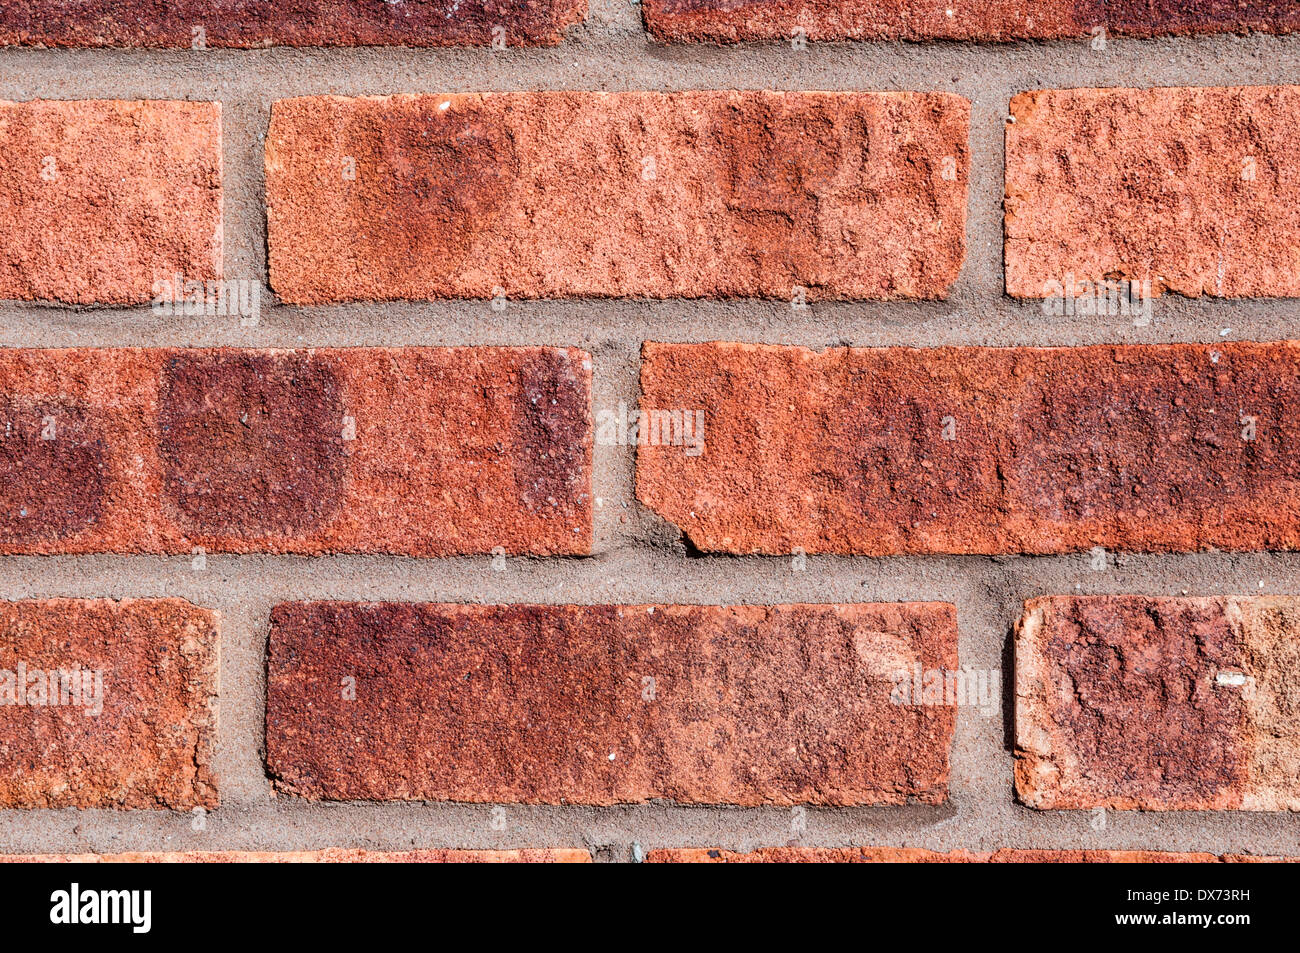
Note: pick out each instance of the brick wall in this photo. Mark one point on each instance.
(686, 431)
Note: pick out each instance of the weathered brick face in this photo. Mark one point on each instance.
(251, 443)
(978, 450)
(330, 855)
(199, 24)
(727, 21)
(553, 195)
(101, 199)
(421, 451)
(1158, 703)
(107, 704)
(560, 219)
(607, 704)
(1159, 185)
(914, 855)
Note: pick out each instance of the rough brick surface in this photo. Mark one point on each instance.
(1052, 450)
(1188, 188)
(99, 199)
(237, 23)
(146, 742)
(331, 855)
(1131, 702)
(727, 21)
(914, 855)
(607, 704)
(556, 194)
(416, 451)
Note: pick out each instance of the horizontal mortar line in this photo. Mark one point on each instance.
(599, 324)
(324, 69)
(698, 580)
(404, 826)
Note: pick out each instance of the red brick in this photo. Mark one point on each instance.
(456, 450)
(549, 704)
(1190, 189)
(141, 732)
(237, 23)
(1055, 450)
(729, 21)
(551, 195)
(100, 199)
(1133, 702)
(913, 855)
(331, 855)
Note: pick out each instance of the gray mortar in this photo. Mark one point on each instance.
(638, 557)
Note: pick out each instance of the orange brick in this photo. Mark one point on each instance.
(1189, 189)
(607, 704)
(107, 704)
(415, 451)
(659, 195)
(912, 855)
(728, 21)
(101, 199)
(883, 451)
(332, 855)
(237, 23)
(1134, 702)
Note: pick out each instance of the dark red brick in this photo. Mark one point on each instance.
(252, 443)
(51, 469)
(253, 23)
(549, 704)
(1133, 702)
(913, 855)
(729, 21)
(1054, 450)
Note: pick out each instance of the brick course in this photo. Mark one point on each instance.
(607, 704)
(729, 21)
(417, 451)
(202, 24)
(886, 451)
(914, 855)
(559, 194)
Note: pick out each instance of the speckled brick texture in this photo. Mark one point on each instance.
(743, 705)
(101, 199)
(599, 413)
(884, 451)
(1131, 702)
(330, 855)
(417, 451)
(658, 195)
(108, 704)
(914, 855)
(729, 21)
(201, 24)
(1188, 189)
